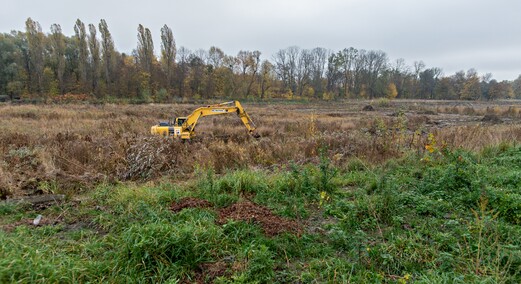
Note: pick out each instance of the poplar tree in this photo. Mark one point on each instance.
(58, 54)
(83, 54)
(35, 40)
(168, 52)
(94, 48)
(145, 49)
(107, 50)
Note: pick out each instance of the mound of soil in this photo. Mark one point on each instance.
(492, 118)
(189, 202)
(368, 108)
(251, 212)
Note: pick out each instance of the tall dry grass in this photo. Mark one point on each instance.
(72, 147)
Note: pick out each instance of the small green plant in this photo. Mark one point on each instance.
(259, 264)
(489, 256)
(48, 187)
(326, 174)
(383, 102)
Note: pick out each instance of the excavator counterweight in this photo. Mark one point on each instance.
(184, 127)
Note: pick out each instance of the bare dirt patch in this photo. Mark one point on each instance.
(189, 202)
(211, 270)
(492, 118)
(250, 212)
(246, 211)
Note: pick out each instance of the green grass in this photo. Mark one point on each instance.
(449, 216)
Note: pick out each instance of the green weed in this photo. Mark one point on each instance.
(452, 219)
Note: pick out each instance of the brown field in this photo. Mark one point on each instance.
(69, 148)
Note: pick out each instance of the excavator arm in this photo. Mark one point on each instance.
(188, 127)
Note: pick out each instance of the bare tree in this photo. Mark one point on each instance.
(202, 55)
(286, 67)
(348, 57)
(182, 64)
(266, 78)
(375, 62)
(333, 73)
(248, 63)
(282, 69)
(516, 87)
(303, 70)
(215, 57)
(254, 58)
(318, 66)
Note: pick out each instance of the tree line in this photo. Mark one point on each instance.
(38, 65)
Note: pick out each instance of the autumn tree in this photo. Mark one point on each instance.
(427, 83)
(95, 59)
(346, 60)
(333, 74)
(318, 67)
(197, 77)
(391, 91)
(471, 87)
(500, 90)
(485, 85)
(107, 50)
(402, 78)
(495, 91)
(216, 57)
(183, 69)
(58, 54)
(445, 89)
(248, 61)
(145, 49)
(286, 67)
(128, 76)
(375, 64)
(168, 53)
(11, 78)
(35, 40)
(220, 73)
(83, 54)
(303, 73)
(267, 77)
(516, 87)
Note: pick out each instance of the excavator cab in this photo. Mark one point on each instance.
(179, 121)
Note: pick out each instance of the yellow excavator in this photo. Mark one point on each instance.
(184, 127)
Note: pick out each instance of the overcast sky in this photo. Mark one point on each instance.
(451, 34)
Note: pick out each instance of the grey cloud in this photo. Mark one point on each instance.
(453, 35)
